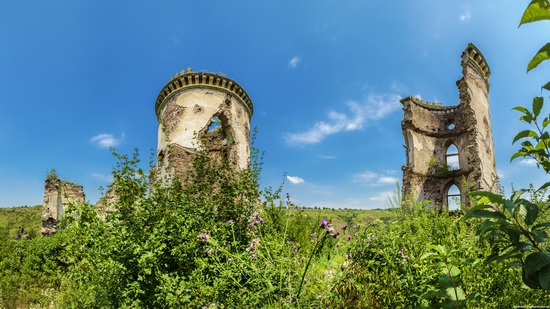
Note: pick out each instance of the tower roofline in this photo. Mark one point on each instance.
(472, 55)
(433, 106)
(189, 79)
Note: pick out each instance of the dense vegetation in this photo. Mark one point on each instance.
(213, 243)
(220, 241)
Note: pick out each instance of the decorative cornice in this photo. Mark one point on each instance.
(189, 79)
(472, 55)
(432, 106)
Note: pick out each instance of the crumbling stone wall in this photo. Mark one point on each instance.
(201, 111)
(430, 129)
(57, 195)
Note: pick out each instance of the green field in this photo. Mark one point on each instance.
(28, 217)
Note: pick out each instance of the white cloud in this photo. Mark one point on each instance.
(328, 157)
(365, 177)
(465, 16)
(374, 179)
(374, 107)
(102, 177)
(295, 180)
(528, 162)
(381, 196)
(387, 180)
(105, 140)
(293, 63)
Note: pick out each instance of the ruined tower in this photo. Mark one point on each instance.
(201, 109)
(450, 148)
(57, 195)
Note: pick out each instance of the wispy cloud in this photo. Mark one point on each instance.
(105, 140)
(381, 196)
(293, 63)
(375, 179)
(464, 16)
(374, 107)
(528, 162)
(295, 180)
(102, 177)
(328, 157)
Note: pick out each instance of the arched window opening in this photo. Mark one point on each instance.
(216, 123)
(453, 198)
(452, 158)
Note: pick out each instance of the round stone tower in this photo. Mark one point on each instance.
(201, 110)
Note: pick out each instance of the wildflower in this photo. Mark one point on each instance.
(204, 236)
(400, 252)
(349, 256)
(406, 257)
(230, 261)
(344, 227)
(348, 238)
(230, 222)
(324, 223)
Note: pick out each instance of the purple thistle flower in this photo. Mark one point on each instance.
(400, 253)
(344, 227)
(230, 222)
(324, 223)
(348, 238)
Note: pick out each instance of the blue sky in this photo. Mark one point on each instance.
(325, 77)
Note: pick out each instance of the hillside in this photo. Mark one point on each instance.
(14, 217)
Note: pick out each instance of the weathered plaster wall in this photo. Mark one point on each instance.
(57, 195)
(430, 128)
(202, 110)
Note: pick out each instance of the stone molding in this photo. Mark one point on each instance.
(189, 79)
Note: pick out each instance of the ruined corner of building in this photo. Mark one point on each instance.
(58, 195)
(449, 149)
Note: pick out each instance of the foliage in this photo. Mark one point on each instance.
(517, 226)
(410, 262)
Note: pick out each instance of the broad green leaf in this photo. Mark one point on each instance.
(486, 214)
(518, 154)
(537, 106)
(540, 236)
(521, 109)
(524, 134)
(454, 271)
(542, 55)
(536, 261)
(544, 277)
(544, 224)
(544, 186)
(434, 294)
(546, 86)
(536, 10)
(542, 145)
(532, 213)
(546, 120)
(526, 118)
(530, 280)
(456, 293)
(494, 198)
(513, 234)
